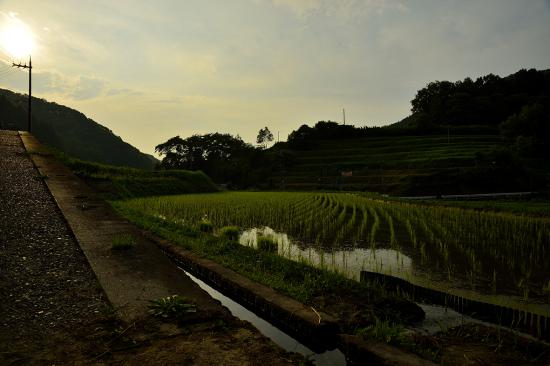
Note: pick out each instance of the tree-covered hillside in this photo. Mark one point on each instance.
(70, 131)
(489, 100)
(491, 134)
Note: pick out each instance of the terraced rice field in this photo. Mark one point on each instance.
(495, 253)
(381, 163)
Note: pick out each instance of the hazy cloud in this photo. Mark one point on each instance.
(152, 70)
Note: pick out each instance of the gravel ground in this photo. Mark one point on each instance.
(54, 312)
(46, 284)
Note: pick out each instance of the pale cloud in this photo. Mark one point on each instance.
(299, 8)
(342, 8)
(152, 70)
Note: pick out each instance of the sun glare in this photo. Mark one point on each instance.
(16, 38)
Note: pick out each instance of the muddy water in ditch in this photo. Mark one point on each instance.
(350, 261)
(285, 341)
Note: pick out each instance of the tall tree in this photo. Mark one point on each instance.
(264, 137)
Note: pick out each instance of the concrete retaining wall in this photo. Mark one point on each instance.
(525, 321)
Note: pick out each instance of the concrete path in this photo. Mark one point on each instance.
(130, 278)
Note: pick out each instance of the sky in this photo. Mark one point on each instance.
(151, 70)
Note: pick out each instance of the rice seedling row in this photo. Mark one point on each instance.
(503, 249)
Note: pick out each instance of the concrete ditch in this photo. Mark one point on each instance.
(315, 329)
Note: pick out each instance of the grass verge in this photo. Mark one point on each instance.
(118, 182)
(357, 304)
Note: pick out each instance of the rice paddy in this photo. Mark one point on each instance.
(495, 253)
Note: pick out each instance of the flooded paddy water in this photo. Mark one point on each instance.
(491, 257)
(351, 261)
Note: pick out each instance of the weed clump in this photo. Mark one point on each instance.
(206, 225)
(266, 244)
(123, 242)
(171, 307)
(230, 233)
(383, 331)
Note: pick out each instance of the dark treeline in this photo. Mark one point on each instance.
(224, 158)
(489, 100)
(463, 107)
(516, 107)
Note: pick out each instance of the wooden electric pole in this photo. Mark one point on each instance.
(24, 66)
(344, 113)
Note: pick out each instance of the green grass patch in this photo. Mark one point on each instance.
(383, 331)
(206, 226)
(230, 233)
(267, 244)
(116, 182)
(263, 267)
(468, 245)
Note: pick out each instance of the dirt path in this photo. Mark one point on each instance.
(54, 310)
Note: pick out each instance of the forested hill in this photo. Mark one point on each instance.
(487, 101)
(485, 135)
(70, 131)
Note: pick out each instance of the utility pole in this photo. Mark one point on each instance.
(344, 113)
(24, 66)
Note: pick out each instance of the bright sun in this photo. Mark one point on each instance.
(17, 39)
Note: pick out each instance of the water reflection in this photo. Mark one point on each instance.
(414, 267)
(347, 261)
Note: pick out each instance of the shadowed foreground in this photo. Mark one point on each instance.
(55, 311)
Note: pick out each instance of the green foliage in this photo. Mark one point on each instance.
(123, 182)
(171, 307)
(222, 157)
(465, 243)
(489, 100)
(230, 233)
(263, 267)
(264, 137)
(123, 242)
(206, 226)
(267, 244)
(529, 129)
(383, 331)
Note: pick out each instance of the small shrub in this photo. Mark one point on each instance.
(383, 331)
(266, 244)
(171, 307)
(230, 233)
(123, 242)
(206, 226)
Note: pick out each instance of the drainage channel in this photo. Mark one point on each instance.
(282, 339)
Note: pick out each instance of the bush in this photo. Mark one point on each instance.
(206, 226)
(230, 233)
(267, 244)
(383, 331)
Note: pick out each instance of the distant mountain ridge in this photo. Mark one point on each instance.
(70, 131)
